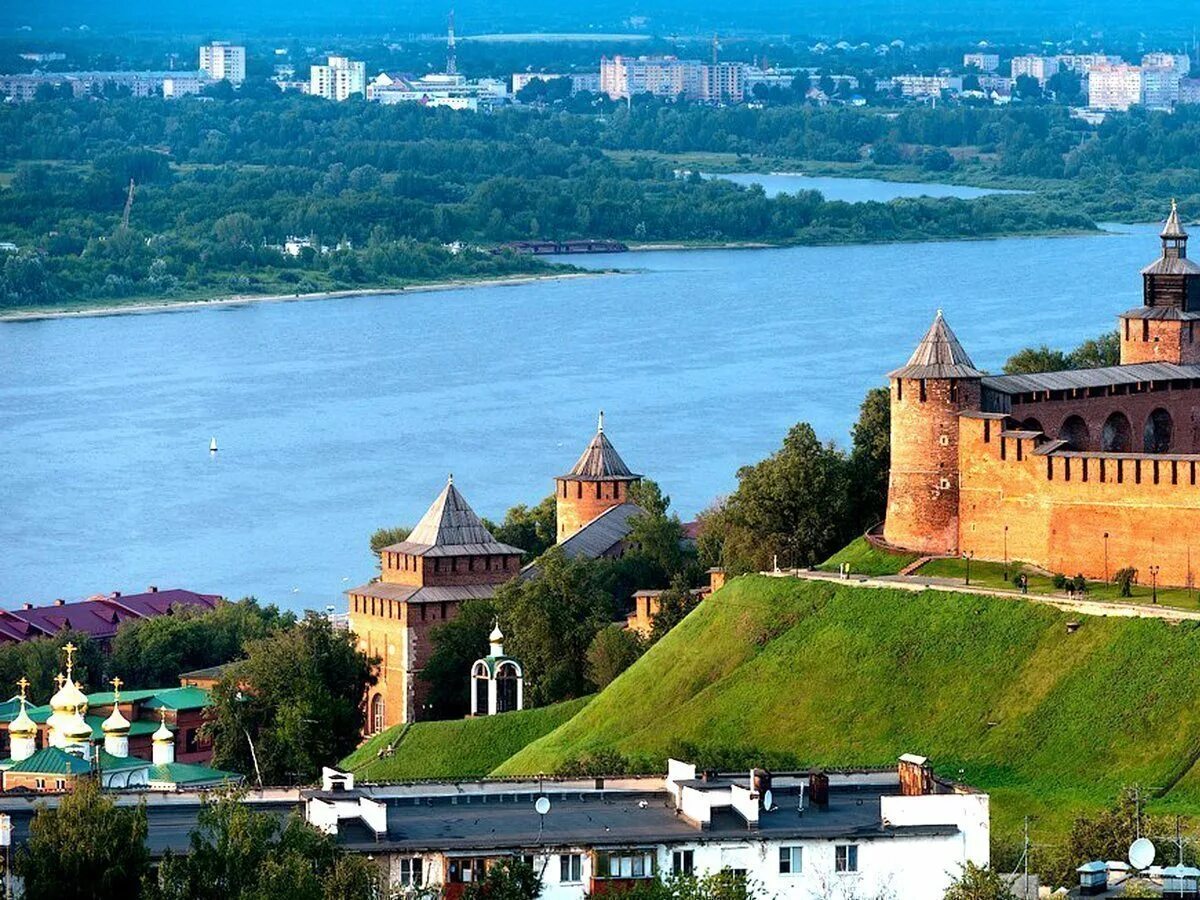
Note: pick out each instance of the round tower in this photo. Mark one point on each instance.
(928, 393)
(597, 482)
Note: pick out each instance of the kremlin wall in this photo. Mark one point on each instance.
(1084, 471)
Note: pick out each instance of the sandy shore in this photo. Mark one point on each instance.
(178, 305)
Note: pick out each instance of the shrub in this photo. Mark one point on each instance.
(1125, 579)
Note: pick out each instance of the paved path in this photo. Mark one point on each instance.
(929, 583)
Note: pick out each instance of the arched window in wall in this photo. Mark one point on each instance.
(1117, 436)
(377, 714)
(1156, 436)
(1076, 433)
(1032, 424)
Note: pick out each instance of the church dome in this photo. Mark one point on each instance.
(116, 723)
(22, 726)
(163, 735)
(75, 729)
(69, 699)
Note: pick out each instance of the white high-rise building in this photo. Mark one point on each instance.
(1160, 86)
(1179, 62)
(339, 79)
(984, 62)
(1114, 87)
(1041, 68)
(223, 62)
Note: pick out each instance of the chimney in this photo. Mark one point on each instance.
(116, 594)
(716, 579)
(26, 606)
(916, 775)
(818, 790)
(59, 601)
(154, 588)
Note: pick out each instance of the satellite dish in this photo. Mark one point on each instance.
(1141, 853)
(768, 800)
(543, 806)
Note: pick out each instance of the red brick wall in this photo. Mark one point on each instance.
(922, 511)
(1146, 340)
(1183, 405)
(1057, 519)
(578, 504)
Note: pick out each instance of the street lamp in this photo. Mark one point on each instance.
(1006, 553)
(968, 556)
(1154, 570)
(1106, 557)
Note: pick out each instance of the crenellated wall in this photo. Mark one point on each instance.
(1159, 340)
(1054, 509)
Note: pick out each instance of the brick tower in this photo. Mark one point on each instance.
(1163, 328)
(449, 558)
(598, 481)
(928, 393)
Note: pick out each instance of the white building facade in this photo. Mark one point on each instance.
(223, 61)
(1114, 87)
(339, 79)
(984, 62)
(1041, 68)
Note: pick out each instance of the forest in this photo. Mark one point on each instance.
(392, 195)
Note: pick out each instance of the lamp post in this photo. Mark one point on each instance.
(1106, 557)
(967, 556)
(1006, 553)
(1154, 570)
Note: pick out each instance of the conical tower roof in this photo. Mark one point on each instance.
(600, 461)
(939, 355)
(451, 528)
(1172, 228)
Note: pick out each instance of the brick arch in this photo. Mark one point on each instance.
(1117, 434)
(378, 715)
(1032, 424)
(1075, 432)
(1158, 431)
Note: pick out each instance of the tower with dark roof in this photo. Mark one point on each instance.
(1163, 328)
(927, 394)
(597, 482)
(449, 558)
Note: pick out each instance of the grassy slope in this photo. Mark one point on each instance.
(457, 748)
(841, 675)
(867, 559)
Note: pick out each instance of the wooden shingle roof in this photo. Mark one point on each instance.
(600, 461)
(451, 528)
(939, 355)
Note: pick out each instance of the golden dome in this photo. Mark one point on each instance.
(22, 726)
(164, 734)
(68, 698)
(115, 723)
(75, 728)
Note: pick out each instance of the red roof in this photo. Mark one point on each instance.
(98, 617)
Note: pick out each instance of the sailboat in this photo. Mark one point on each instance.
(212, 446)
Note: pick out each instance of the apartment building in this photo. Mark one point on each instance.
(984, 62)
(666, 76)
(1041, 68)
(1114, 87)
(223, 61)
(338, 79)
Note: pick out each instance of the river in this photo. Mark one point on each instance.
(335, 417)
(853, 190)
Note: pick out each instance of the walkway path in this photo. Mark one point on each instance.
(953, 585)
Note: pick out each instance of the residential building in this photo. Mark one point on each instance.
(927, 85)
(1180, 63)
(984, 62)
(666, 76)
(452, 91)
(44, 57)
(1160, 87)
(1189, 90)
(1082, 63)
(1056, 468)
(222, 61)
(902, 831)
(339, 78)
(98, 616)
(580, 81)
(1041, 68)
(1114, 87)
(83, 84)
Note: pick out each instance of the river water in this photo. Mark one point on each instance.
(853, 190)
(335, 417)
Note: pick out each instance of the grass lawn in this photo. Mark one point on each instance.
(991, 574)
(867, 559)
(997, 693)
(458, 748)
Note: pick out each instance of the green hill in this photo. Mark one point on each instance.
(459, 748)
(994, 691)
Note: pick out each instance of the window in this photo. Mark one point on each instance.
(625, 864)
(466, 871)
(39, 783)
(570, 868)
(790, 861)
(845, 858)
(60, 784)
(410, 871)
(683, 862)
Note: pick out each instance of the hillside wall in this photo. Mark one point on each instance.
(1054, 509)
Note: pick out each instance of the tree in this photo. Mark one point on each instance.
(456, 645)
(507, 879)
(152, 652)
(979, 883)
(41, 659)
(1032, 360)
(86, 847)
(298, 696)
(385, 537)
(549, 622)
(613, 650)
(673, 605)
(870, 458)
(1097, 353)
(534, 529)
(657, 535)
(793, 505)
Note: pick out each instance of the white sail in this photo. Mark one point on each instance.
(212, 446)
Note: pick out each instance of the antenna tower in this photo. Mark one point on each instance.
(451, 62)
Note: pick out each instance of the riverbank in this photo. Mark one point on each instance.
(157, 306)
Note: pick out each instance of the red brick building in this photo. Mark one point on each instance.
(449, 558)
(599, 481)
(1088, 470)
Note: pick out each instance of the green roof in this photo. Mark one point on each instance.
(175, 698)
(110, 763)
(52, 761)
(180, 698)
(190, 774)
